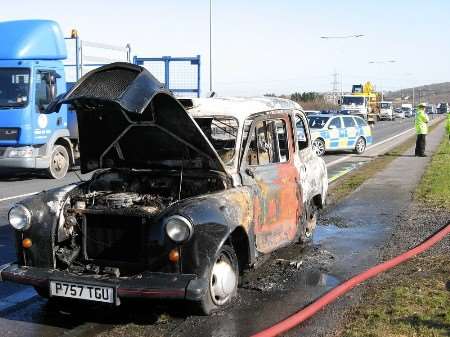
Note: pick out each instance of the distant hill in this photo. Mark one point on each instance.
(432, 93)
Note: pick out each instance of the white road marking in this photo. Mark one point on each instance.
(18, 196)
(340, 160)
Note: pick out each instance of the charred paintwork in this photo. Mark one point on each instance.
(111, 229)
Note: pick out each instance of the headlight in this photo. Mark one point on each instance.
(19, 217)
(178, 228)
(21, 152)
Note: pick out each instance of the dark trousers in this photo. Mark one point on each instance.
(420, 145)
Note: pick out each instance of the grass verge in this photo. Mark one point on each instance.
(413, 299)
(434, 189)
(348, 183)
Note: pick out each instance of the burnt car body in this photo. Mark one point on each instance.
(185, 194)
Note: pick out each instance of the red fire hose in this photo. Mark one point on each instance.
(341, 289)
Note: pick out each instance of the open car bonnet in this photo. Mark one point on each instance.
(127, 119)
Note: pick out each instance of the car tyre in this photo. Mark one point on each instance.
(360, 146)
(319, 147)
(223, 279)
(59, 162)
(308, 222)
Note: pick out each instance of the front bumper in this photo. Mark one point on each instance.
(36, 161)
(149, 285)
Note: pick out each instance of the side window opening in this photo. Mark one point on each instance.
(336, 122)
(349, 122)
(269, 143)
(360, 122)
(46, 89)
(301, 133)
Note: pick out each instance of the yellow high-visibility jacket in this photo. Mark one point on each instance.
(421, 122)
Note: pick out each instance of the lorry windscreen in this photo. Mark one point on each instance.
(349, 100)
(14, 87)
(385, 105)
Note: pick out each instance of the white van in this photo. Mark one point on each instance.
(386, 110)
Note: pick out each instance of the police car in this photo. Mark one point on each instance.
(337, 132)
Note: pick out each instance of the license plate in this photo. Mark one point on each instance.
(82, 291)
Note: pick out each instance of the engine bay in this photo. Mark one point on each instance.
(114, 211)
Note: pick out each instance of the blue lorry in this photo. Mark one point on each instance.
(31, 75)
(33, 71)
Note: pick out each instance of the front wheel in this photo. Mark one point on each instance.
(223, 278)
(59, 162)
(308, 223)
(360, 146)
(319, 147)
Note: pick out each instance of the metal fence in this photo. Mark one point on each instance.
(181, 75)
(84, 56)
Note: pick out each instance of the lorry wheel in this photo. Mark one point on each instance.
(360, 146)
(223, 278)
(319, 147)
(59, 162)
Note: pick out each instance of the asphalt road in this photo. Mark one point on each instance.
(22, 313)
(18, 184)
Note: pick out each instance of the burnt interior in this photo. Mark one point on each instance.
(111, 223)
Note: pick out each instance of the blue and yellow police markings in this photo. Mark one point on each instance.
(344, 138)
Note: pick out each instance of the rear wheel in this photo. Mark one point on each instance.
(59, 162)
(319, 147)
(223, 277)
(308, 222)
(360, 146)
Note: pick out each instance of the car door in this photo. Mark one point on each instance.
(307, 161)
(43, 123)
(351, 132)
(268, 168)
(336, 133)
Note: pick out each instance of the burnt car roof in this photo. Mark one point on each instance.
(240, 108)
(127, 119)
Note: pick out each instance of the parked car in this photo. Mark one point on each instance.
(331, 133)
(185, 194)
(399, 113)
(408, 111)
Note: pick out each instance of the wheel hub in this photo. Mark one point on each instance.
(59, 161)
(223, 281)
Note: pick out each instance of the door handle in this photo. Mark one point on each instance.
(250, 172)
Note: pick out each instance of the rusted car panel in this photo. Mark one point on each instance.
(185, 196)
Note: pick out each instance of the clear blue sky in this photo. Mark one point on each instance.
(265, 46)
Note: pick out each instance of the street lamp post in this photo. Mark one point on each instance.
(210, 46)
(339, 37)
(382, 63)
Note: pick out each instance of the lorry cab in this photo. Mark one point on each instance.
(31, 75)
(386, 110)
(354, 105)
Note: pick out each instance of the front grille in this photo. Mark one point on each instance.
(116, 240)
(9, 133)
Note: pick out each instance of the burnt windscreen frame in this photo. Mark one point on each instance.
(222, 132)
